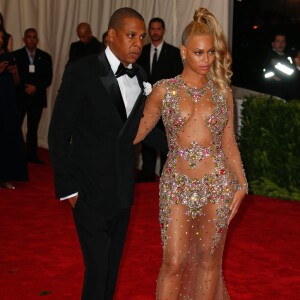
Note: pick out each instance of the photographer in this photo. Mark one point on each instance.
(13, 164)
(278, 69)
(7, 38)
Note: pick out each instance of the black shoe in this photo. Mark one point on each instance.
(146, 179)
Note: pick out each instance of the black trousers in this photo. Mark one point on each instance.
(33, 109)
(102, 236)
(149, 158)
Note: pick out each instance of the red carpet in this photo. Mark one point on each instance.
(40, 255)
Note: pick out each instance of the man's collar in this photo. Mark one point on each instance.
(113, 60)
(279, 53)
(29, 52)
(158, 47)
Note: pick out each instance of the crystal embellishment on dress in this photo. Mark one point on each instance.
(195, 92)
(193, 154)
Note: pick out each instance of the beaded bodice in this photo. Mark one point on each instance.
(189, 146)
(203, 169)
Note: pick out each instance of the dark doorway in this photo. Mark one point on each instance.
(254, 23)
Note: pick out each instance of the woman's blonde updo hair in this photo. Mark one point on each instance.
(204, 22)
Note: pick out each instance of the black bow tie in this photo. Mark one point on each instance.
(123, 70)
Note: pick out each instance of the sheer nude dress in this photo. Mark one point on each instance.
(199, 179)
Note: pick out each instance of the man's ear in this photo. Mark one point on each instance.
(111, 34)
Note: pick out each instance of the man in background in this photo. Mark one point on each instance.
(278, 69)
(295, 90)
(86, 45)
(35, 71)
(160, 61)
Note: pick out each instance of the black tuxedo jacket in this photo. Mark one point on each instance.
(90, 143)
(41, 78)
(169, 62)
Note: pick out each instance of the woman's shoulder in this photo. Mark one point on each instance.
(167, 82)
(221, 88)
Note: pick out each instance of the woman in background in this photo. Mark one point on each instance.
(203, 181)
(13, 165)
(7, 38)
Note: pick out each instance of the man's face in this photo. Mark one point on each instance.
(30, 39)
(127, 41)
(279, 43)
(84, 35)
(156, 32)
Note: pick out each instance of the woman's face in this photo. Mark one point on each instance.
(199, 53)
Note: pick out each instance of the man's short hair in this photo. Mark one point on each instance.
(116, 20)
(30, 30)
(158, 20)
(279, 33)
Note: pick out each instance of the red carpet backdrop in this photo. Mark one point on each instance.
(40, 256)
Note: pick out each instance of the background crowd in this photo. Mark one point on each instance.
(34, 70)
(168, 65)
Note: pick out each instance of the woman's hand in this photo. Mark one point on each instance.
(237, 200)
(12, 69)
(3, 65)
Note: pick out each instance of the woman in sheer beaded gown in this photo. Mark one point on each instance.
(203, 181)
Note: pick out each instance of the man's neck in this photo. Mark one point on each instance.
(157, 43)
(279, 53)
(31, 50)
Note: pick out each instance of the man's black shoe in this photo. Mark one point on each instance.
(145, 179)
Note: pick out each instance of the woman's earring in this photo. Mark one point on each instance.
(183, 59)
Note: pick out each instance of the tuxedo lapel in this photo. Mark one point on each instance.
(138, 102)
(25, 56)
(111, 85)
(148, 58)
(140, 81)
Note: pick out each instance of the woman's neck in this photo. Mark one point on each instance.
(193, 80)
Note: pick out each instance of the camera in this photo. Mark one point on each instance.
(9, 58)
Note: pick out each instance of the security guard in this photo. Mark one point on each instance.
(278, 70)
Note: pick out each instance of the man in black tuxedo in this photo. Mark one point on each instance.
(161, 61)
(95, 120)
(35, 71)
(87, 44)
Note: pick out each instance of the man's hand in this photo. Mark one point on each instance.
(30, 89)
(12, 69)
(3, 66)
(73, 201)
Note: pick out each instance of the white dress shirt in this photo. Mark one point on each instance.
(129, 87)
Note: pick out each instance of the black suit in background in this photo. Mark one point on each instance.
(33, 104)
(281, 84)
(295, 86)
(169, 64)
(91, 150)
(79, 49)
